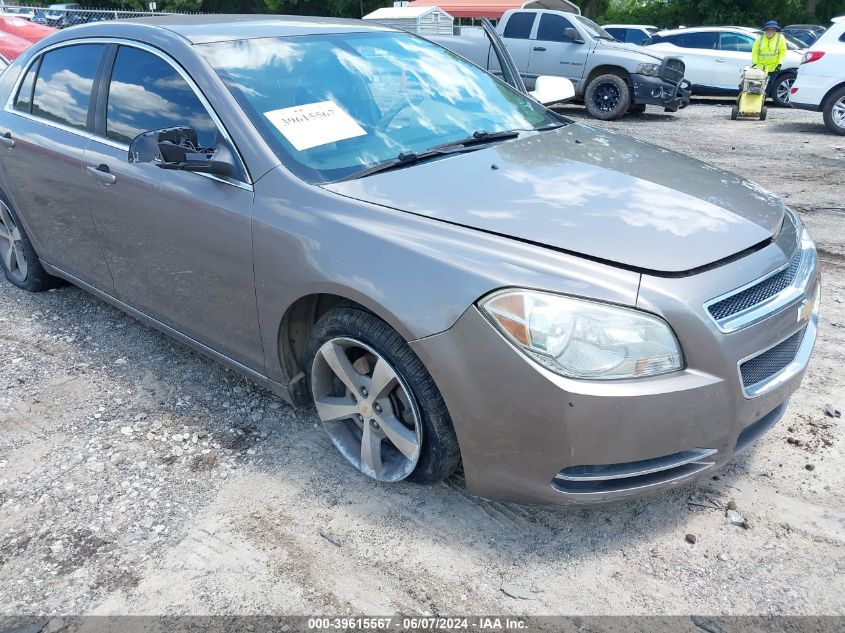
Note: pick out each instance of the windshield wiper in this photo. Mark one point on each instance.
(478, 138)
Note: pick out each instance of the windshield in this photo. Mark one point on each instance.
(336, 104)
(592, 28)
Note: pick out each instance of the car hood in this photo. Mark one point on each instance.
(631, 48)
(599, 194)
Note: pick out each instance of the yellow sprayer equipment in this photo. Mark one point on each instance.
(752, 95)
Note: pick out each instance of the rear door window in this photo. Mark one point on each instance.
(63, 86)
(705, 40)
(146, 93)
(23, 102)
(519, 26)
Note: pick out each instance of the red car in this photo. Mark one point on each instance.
(17, 34)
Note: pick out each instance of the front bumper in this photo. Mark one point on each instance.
(655, 91)
(531, 436)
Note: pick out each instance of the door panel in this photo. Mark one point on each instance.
(734, 55)
(42, 162)
(553, 55)
(179, 244)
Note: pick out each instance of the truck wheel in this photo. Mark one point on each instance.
(607, 97)
(834, 112)
(780, 89)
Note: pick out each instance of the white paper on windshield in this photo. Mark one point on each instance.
(314, 124)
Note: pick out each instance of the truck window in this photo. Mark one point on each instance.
(519, 25)
(551, 27)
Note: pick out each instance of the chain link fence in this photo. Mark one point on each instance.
(61, 16)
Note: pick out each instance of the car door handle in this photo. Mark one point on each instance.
(102, 173)
(539, 48)
(7, 140)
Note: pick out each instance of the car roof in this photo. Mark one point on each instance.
(202, 29)
(628, 26)
(704, 29)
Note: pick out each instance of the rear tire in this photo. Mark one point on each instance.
(410, 436)
(734, 113)
(781, 87)
(607, 97)
(763, 112)
(834, 112)
(18, 259)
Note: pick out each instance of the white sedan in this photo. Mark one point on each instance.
(715, 57)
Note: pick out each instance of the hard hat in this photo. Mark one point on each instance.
(772, 24)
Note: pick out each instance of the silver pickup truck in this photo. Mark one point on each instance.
(611, 77)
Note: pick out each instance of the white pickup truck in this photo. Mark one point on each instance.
(611, 77)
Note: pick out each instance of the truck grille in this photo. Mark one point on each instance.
(757, 293)
(672, 70)
(764, 366)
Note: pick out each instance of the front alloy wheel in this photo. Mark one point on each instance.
(367, 410)
(782, 90)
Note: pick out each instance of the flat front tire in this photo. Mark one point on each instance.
(607, 97)
(377, 401)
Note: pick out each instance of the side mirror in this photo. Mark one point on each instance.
(571, 35)
(178, 148)
(549, 89)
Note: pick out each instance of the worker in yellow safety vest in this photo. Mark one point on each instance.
(769, 50)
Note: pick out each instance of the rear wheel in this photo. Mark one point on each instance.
(17, 257)
(607, 97)
(763, 112)
(734, 113)
(781, 89)
(377, 402)
(834, 112)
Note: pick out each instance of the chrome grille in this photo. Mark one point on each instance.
(595, 481)
(775, 359)
(672, 70)
(758, 293)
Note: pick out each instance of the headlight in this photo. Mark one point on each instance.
(577, 338)
(652, 70)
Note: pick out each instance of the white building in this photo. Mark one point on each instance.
(420, 20)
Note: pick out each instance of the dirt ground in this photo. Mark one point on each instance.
(138, 477)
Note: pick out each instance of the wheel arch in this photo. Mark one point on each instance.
(297, 322)
(609, 69)
(829, 94)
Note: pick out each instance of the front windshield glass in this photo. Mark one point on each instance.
(592, 28)
(332, 105)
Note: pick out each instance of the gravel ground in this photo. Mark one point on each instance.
(138, 477)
